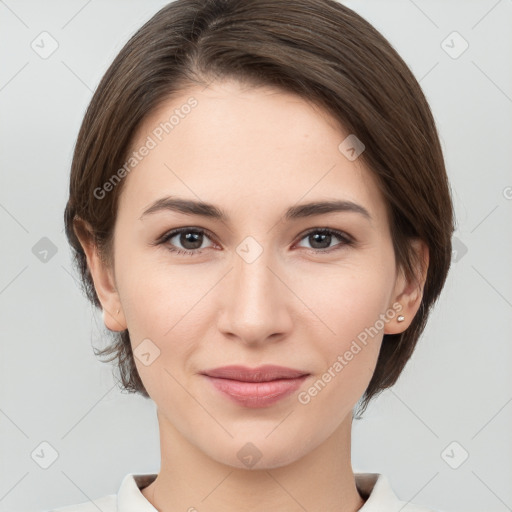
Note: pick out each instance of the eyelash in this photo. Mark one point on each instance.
(346, 240)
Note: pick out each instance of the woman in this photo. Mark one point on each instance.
(259, 205)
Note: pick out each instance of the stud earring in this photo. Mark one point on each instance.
(400, 318)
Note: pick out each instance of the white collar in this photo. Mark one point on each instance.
(374, 487)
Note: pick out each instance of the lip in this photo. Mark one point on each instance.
(263, 373)
(258, 387)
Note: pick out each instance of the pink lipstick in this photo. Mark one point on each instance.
(258, 387)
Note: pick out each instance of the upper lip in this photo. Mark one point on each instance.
(263, 373)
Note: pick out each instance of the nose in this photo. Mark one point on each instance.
(256, 304)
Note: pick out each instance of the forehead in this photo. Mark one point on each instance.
(245, 147)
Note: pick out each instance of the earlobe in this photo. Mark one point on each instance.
(103, 280)
(114, 322)
(409, 292)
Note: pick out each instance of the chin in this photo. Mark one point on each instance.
(259, 454)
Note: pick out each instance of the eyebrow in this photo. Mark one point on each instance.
(211, 211)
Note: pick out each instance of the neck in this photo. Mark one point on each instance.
(322, 480)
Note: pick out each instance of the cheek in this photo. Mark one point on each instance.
(167, 305)
(347, 351)
(350, 299)
(156, 294)
(347, 328)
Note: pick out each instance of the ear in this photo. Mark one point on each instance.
(409, 292)
(103, 278)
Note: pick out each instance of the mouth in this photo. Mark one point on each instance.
(264, 373)
(258, 387)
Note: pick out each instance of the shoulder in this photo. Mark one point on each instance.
(105, 504)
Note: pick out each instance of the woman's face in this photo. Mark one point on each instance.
(258, 286)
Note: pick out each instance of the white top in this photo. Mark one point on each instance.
(374, 487)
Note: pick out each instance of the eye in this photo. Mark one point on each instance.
(321, 238)
(190, 238)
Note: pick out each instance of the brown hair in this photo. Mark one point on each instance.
(318, 49)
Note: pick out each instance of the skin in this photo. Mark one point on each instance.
(253, 152)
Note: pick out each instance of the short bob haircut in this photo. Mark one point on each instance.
(319, 50)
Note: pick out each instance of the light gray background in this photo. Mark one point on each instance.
(457, 387)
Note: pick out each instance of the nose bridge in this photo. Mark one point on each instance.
(255, 305)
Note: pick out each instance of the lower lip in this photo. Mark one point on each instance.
(256, 394)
